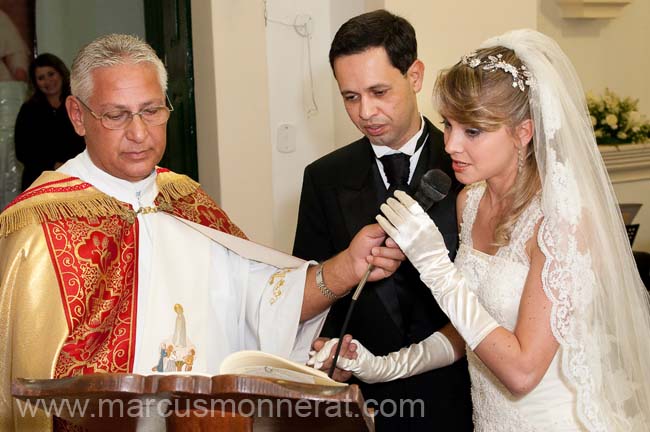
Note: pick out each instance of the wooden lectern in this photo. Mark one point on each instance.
(238, 403)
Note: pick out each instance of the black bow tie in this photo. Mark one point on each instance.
(396, 167)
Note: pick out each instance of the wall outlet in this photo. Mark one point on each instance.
(286, 138)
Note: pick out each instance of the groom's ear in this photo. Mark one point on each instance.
(524, 132)
(415, 75)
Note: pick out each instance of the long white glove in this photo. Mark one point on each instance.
(432, 353)
(418, 237)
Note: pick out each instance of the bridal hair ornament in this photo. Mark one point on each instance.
(520, 76)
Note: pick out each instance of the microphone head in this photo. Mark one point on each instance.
(434, 186)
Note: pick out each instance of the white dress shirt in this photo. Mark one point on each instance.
(408, 148)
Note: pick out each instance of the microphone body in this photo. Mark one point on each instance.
(434, 186)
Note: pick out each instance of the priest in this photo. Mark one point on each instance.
(114, 265)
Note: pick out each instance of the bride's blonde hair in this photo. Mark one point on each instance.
(487, 99)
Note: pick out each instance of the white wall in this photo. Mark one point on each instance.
(64, 26)
(290, 101)
(205, 97)
(235, 161)
(612, 53)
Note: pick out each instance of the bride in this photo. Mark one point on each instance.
(544, 289)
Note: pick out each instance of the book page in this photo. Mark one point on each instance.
(271, 366)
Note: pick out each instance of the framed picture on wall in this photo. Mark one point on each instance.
(17, 38)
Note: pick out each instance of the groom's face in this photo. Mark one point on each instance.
(380, 100)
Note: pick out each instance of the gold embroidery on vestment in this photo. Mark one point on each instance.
(277, 280)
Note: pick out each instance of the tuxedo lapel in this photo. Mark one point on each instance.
(360, 194)
(428, 159)
(356, 193)
(359, 207)
(424, 164)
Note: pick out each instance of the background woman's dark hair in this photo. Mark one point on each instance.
(47, 59)
(378, 28)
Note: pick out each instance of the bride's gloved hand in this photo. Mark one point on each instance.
(418, 237)
(434, 352)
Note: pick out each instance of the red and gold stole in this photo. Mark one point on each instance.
(93, 243)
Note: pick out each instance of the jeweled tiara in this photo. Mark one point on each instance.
(520, 76)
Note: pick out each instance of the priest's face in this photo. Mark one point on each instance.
(380, 100)
(132, 152)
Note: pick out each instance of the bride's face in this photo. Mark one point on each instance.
(481, 155)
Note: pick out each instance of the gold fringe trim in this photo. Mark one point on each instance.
(172, 186)
(85, 203)
(95, 205)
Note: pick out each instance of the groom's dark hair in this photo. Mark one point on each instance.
(378, 28)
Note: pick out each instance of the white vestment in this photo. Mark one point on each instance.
(229, 302)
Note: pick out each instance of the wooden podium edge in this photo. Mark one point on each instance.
(199, 385)
(129, 386)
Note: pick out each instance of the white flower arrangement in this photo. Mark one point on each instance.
(616, 120)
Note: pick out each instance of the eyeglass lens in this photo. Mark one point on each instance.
(153, 116)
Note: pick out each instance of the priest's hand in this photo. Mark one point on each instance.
(371, 245)
(338, 275)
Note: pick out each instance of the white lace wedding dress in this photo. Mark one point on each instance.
(498, 282)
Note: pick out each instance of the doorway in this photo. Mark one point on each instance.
(64, 26)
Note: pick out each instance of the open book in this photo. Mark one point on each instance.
(262, 364)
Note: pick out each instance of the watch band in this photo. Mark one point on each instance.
(322, 287)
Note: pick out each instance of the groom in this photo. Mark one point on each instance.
(374, 60)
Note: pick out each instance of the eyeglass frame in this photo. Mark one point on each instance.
(101, 117)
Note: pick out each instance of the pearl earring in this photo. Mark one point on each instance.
(520, 160)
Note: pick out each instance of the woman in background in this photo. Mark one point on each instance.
(44, 136)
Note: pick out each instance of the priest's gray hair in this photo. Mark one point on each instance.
(107, 51)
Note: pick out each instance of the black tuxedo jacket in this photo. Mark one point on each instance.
(341, 193)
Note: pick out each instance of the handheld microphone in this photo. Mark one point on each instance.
(434, 186)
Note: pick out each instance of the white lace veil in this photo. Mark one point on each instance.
(600, 313)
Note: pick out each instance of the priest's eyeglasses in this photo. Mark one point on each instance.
(121, 119)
